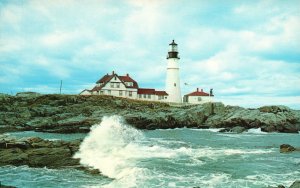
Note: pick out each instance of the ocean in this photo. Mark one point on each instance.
(183, 157)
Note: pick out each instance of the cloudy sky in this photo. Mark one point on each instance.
(248, 51)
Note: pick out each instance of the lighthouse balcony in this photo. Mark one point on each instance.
(173, 55)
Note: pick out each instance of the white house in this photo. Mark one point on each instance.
(198, 97)
(124, 86)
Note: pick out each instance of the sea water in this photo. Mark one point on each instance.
(127, 157)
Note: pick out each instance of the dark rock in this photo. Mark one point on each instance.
(237, 129)
(36, 152)
(285, 148)
(5, 186)
(296, 184)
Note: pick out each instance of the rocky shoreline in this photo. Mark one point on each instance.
(76, 114)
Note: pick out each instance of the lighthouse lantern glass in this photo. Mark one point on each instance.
(173, 47)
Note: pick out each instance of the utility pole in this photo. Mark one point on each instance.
(60, 87)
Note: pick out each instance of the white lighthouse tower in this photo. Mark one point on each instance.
(173, 81)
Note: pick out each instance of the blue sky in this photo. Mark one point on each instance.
(248, 51)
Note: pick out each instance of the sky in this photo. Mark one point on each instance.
(247, 51)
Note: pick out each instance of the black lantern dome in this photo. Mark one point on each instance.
(173, 50)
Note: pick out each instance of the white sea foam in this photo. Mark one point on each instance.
(256, 131)
(210, 129)
(111, 147)
(118, 151)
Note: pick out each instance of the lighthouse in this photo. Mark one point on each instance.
(173, 81)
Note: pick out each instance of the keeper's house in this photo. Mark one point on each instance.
(124, 86)
(198, 97)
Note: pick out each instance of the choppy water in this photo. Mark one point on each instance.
(169, 158)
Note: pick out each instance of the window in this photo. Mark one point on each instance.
(120, 93)
(109, 92)
(144, 96)
(129, 83)
(101, 92)
(112, 85)
(115, 78)
(118, 85)
(149, 96)
(174, 84)
(159, 97)
(140, 96)
(130, 94)
(199, 99)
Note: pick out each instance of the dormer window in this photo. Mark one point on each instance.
(129, 83)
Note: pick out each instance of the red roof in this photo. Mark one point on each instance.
(97, 88)
(146, 91)
(161, 93)
(105, 78)
(198, 93)
(127, 78)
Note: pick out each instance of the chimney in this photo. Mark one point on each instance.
(113, 72)
(127, 75)
(201, 90)
(197, 89)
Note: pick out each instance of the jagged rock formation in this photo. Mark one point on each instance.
(73, 113)
(36, 152)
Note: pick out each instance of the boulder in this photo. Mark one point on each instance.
(286, 148)
(36, 152)
(296, 184)
(237, 129)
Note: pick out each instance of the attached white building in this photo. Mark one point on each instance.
(198, 97)
(124, 86)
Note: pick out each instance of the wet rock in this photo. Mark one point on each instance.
(237, 129)
(296, 184)
(36, 152)
(286, 148)
(5, 186)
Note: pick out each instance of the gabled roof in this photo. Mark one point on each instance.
(146, 91)
(198, 93)
(127, 78)
(106, 78)
(161, 93)
(97, 88)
